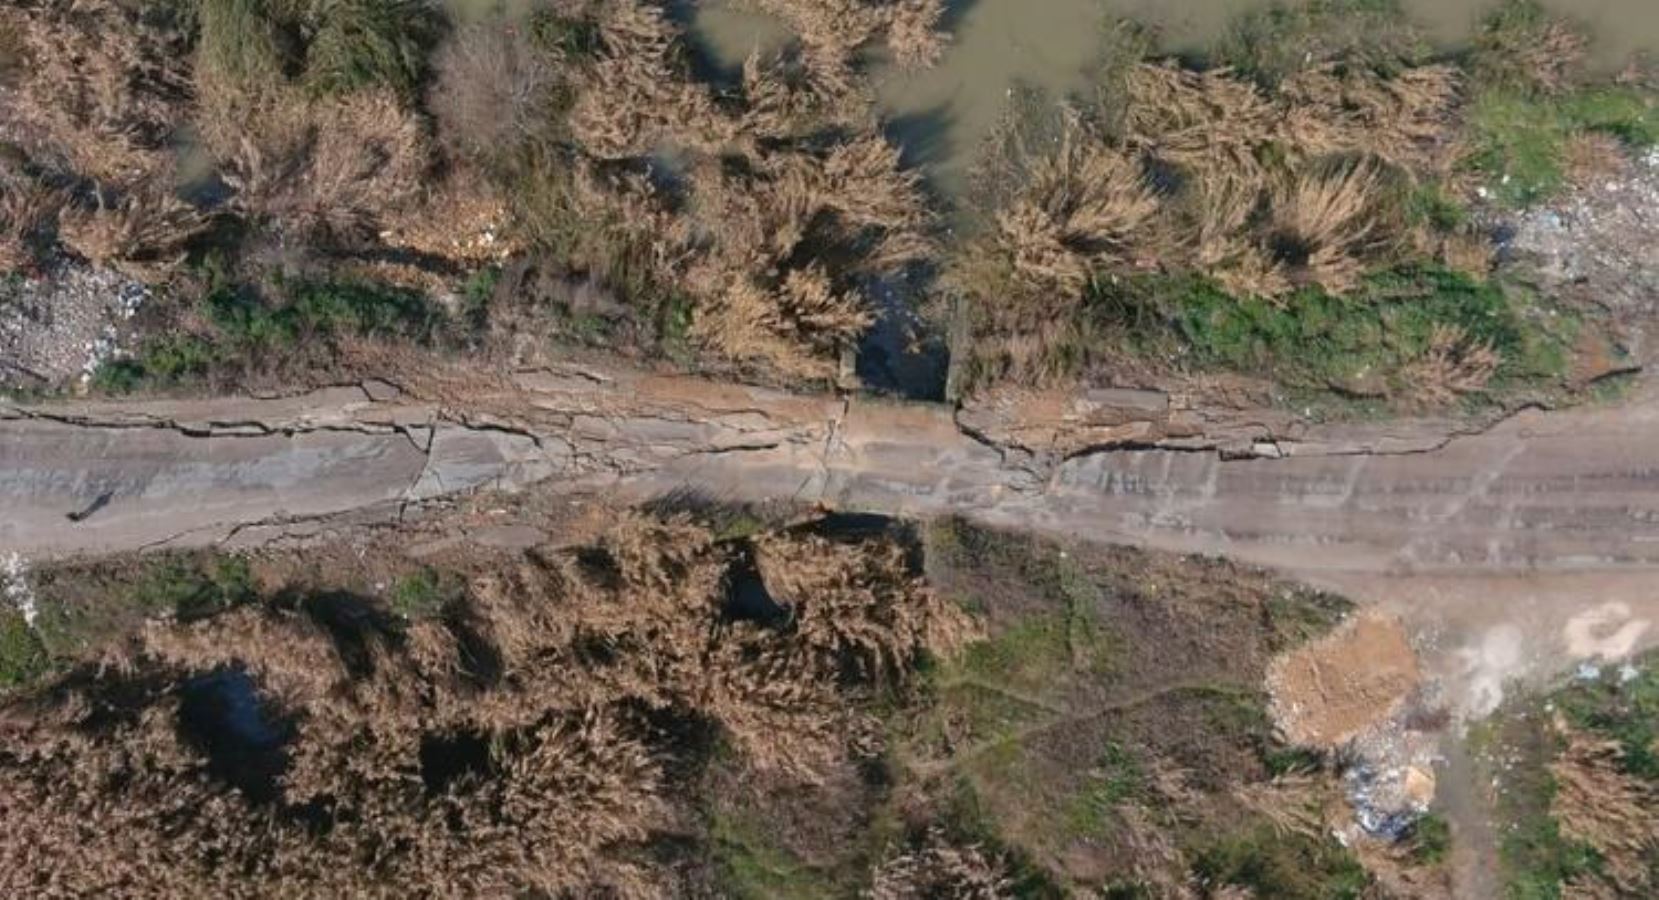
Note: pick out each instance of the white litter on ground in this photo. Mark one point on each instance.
(14, 578)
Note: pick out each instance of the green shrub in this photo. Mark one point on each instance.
(22, 656)
(365, 43)
(162, 361)
(1283, 865)
(423, 594)
(247, 44)
(1430, 839)
(321, 309)
(190, 588)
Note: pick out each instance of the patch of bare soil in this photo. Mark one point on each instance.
(1327, 692)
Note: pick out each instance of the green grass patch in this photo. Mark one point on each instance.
(425, 593)
(1283, 865)
(1116, 779)
(193, 588)
(752, 867)
(1535, 859)
(83, 609)
(1520, 139)
(1317, 343)
(22, 655)
(1430, 839)
(1624, 710)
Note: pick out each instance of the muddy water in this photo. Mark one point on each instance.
(943, 114)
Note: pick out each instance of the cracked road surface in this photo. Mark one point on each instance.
(1561, 492)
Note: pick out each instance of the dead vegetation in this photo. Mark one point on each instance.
(27, 209)
(768, 217)
(1263, 190)
(834, 30)
(103, 88)
(1452, 366)
(143, 235)
(940, 870)
(522, 736)
(1602, 805)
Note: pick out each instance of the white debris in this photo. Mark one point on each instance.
(1587, 671)
(14, 578)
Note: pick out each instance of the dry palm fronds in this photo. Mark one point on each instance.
(1452, 366)
(1292, 804)
(25, 210)
(144, 236)
(1600, 804)
(1327, 223)
(939, 869)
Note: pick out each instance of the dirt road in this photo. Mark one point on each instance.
(1558, 492)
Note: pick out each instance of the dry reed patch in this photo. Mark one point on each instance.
(941, 869)
(103, 88)
(1593, 158)
(325, 169)
(636, 90)
(1407, 119)
(1332, 689)
(1522, 47)
(1086, 205)
(491, 90)
(766, 213)
(1326, 224)
(523, 737)
(1599, 803)
(1451, 367)
(835, 29)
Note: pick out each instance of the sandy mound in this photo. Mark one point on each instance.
(1326, 692)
